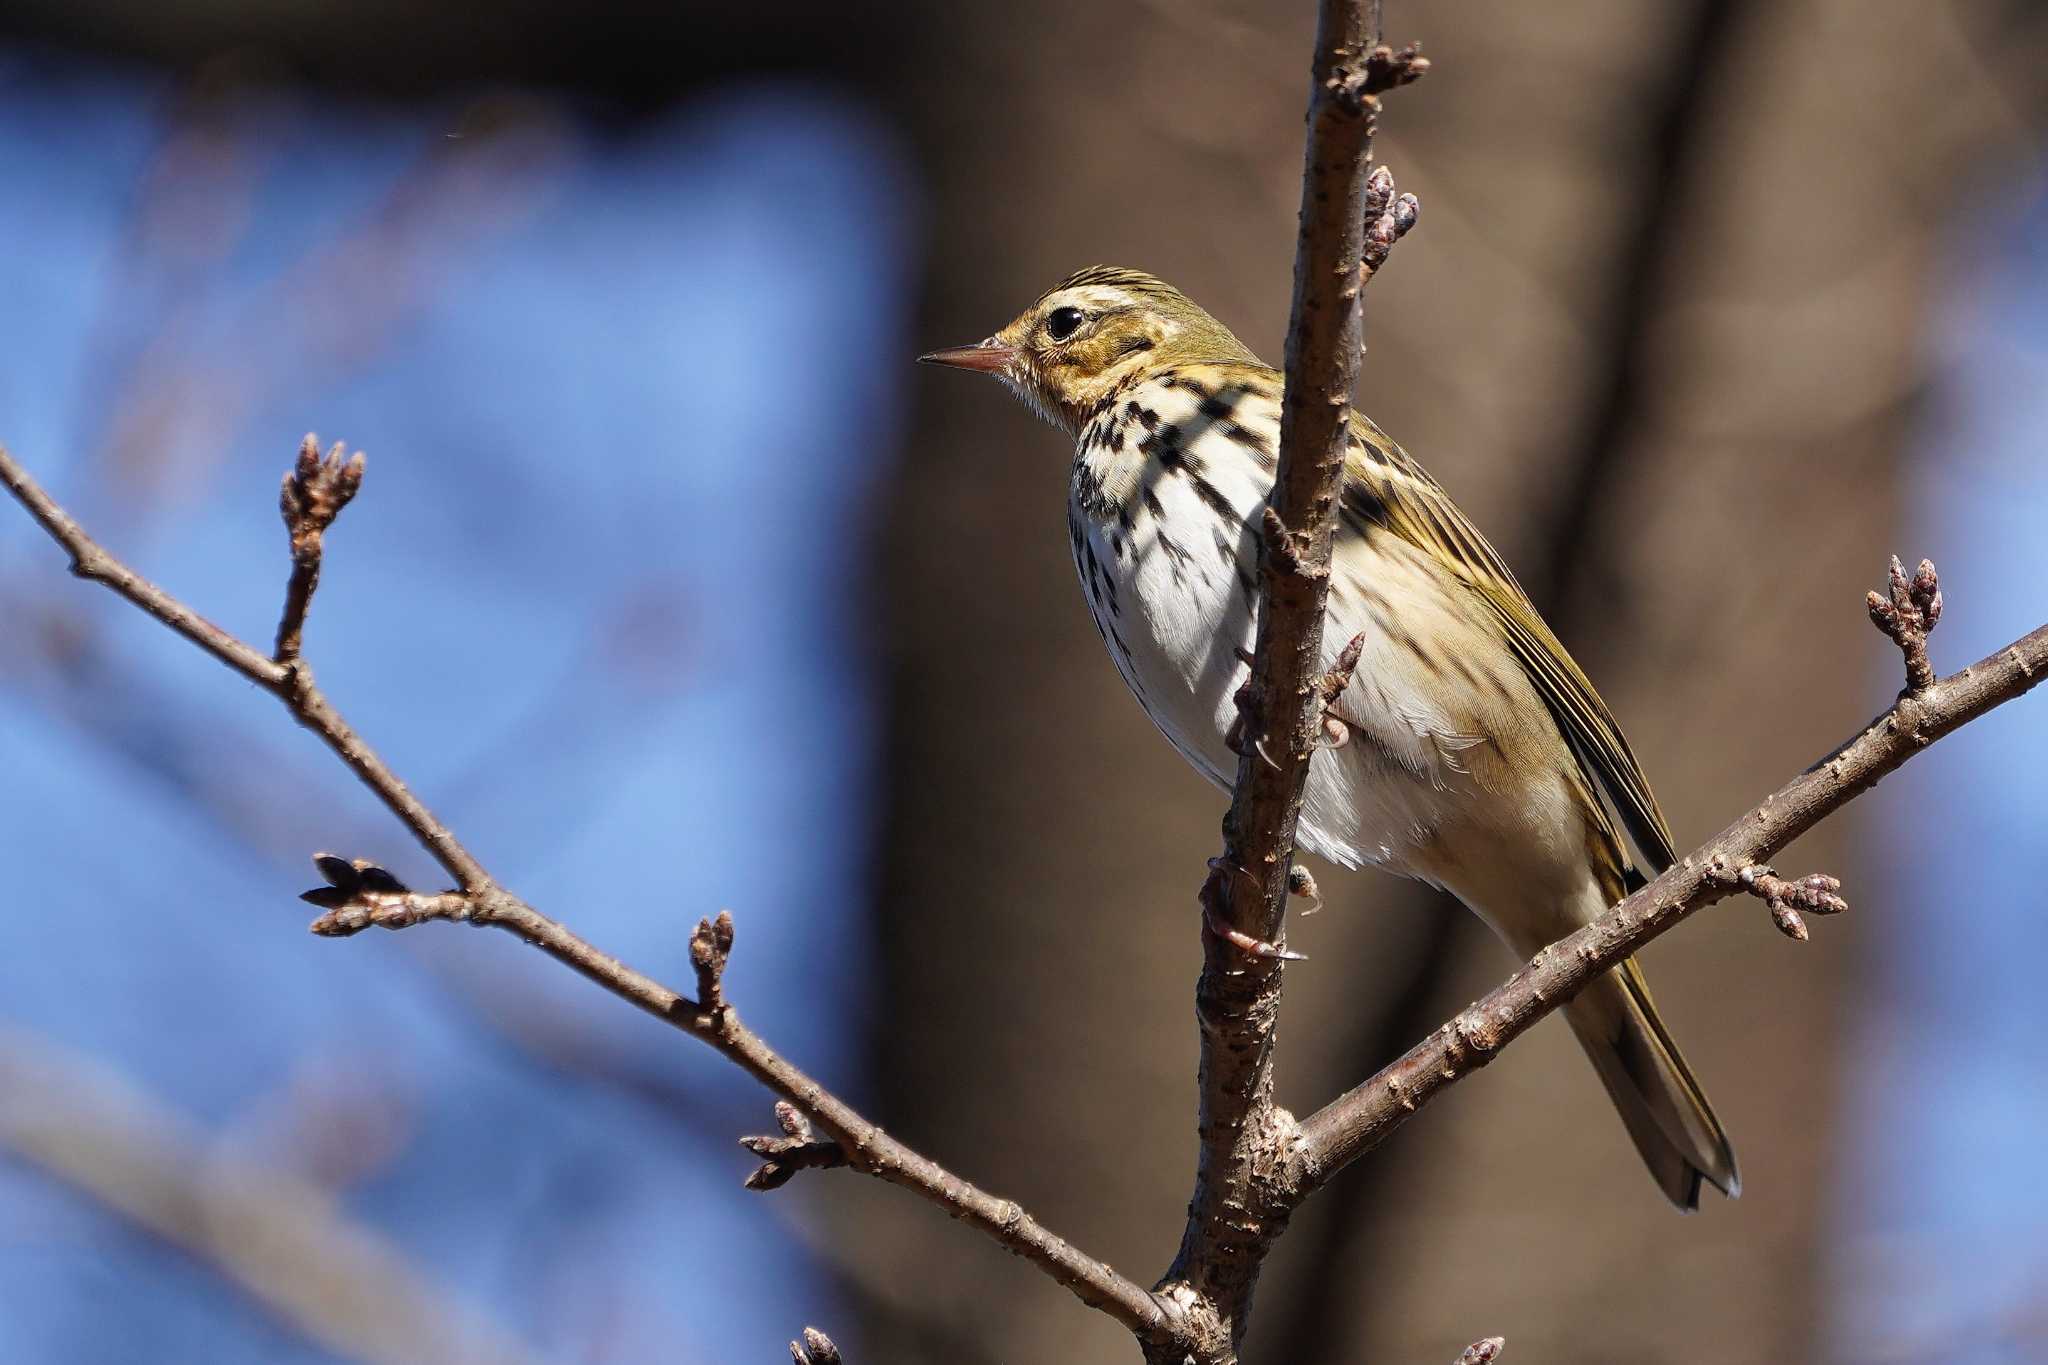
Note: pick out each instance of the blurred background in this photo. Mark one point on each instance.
(675, 586)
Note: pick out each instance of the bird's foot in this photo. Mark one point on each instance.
(1237, 938)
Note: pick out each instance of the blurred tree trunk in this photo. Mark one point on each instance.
(1667, 367)
(1720, 317)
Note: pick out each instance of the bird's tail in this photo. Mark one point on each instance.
(1660, 1100)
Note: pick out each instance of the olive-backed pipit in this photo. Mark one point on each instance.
(1479, 757)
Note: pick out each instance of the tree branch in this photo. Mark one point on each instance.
(1182, 1321)
(1349, 221)
(360, 895)
(1731, 863)
(1256, 1163)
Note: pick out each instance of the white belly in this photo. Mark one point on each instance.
(1175, 611)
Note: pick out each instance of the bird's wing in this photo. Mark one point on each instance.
(1383, 485)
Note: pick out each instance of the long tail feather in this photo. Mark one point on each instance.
(1660, 1100)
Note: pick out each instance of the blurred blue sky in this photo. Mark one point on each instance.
(589, 369)
(626, 402)
(1943, 1207)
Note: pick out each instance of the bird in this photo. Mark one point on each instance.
(1477, 756)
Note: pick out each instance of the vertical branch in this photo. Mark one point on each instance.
(1676, 101)
(1349, 220)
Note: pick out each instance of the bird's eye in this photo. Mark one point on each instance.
(1062, 323)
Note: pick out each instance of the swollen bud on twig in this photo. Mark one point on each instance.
(347, 880)
(315, 490)
(796, 1150)
(1814, 894)
(360, 895)
(710, 947)
(815, 1349)
(1909, 617)
(1387, 219)
(313, 494)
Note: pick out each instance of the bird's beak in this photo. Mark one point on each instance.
(990, 357)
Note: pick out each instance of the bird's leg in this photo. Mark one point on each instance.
(1235, 937)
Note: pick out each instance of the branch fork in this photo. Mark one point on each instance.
(1256, 1163)
(360, 894)
(1349, 219)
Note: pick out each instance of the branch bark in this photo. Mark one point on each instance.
(1349, 221)
(360, 895)
(1256, 1163)
(1186, 1319)
(1731, 863)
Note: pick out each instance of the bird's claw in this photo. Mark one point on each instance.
(1238, 938)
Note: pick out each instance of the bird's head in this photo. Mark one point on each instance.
(1091, 335)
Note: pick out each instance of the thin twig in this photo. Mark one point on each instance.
(89, 561)
(1177, 1323)
(369, 897)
